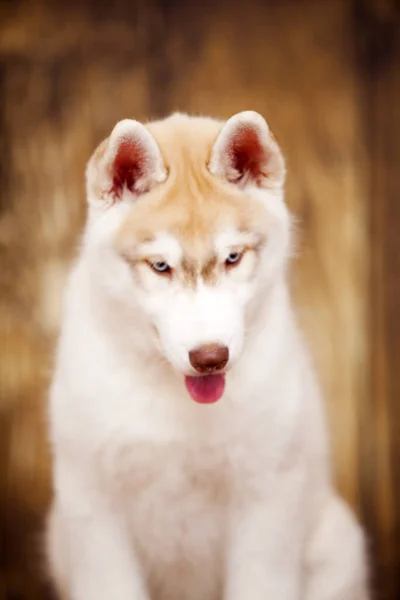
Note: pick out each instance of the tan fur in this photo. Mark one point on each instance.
(192, 203)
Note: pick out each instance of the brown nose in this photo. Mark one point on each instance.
(209, 358)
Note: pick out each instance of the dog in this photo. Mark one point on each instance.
(191, 453)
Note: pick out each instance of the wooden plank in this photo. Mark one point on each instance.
(376, 35)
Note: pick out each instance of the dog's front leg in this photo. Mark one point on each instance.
(90, 553)
(263, 554)
(336, 555)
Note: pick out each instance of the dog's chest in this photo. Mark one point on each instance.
(176, 500)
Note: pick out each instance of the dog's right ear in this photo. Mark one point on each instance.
(128, 163)
(246, 151)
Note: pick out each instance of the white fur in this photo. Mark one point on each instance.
(159, 497)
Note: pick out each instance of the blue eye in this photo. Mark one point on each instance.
(160, 267)
(233, 258)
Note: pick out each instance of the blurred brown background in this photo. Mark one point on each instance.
(326, 74)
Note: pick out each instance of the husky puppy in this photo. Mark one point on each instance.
(191, 455)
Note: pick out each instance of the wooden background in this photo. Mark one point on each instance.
(326, 74)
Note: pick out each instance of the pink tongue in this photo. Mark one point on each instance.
(206, 389)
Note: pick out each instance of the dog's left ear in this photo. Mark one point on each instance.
(245, 151)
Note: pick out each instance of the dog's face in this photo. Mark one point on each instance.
(187, 227)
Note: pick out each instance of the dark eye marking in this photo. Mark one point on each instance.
(209, 270)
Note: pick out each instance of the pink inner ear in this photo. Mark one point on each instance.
(128, 167)
(247, 153)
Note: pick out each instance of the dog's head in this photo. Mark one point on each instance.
(188, 229)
